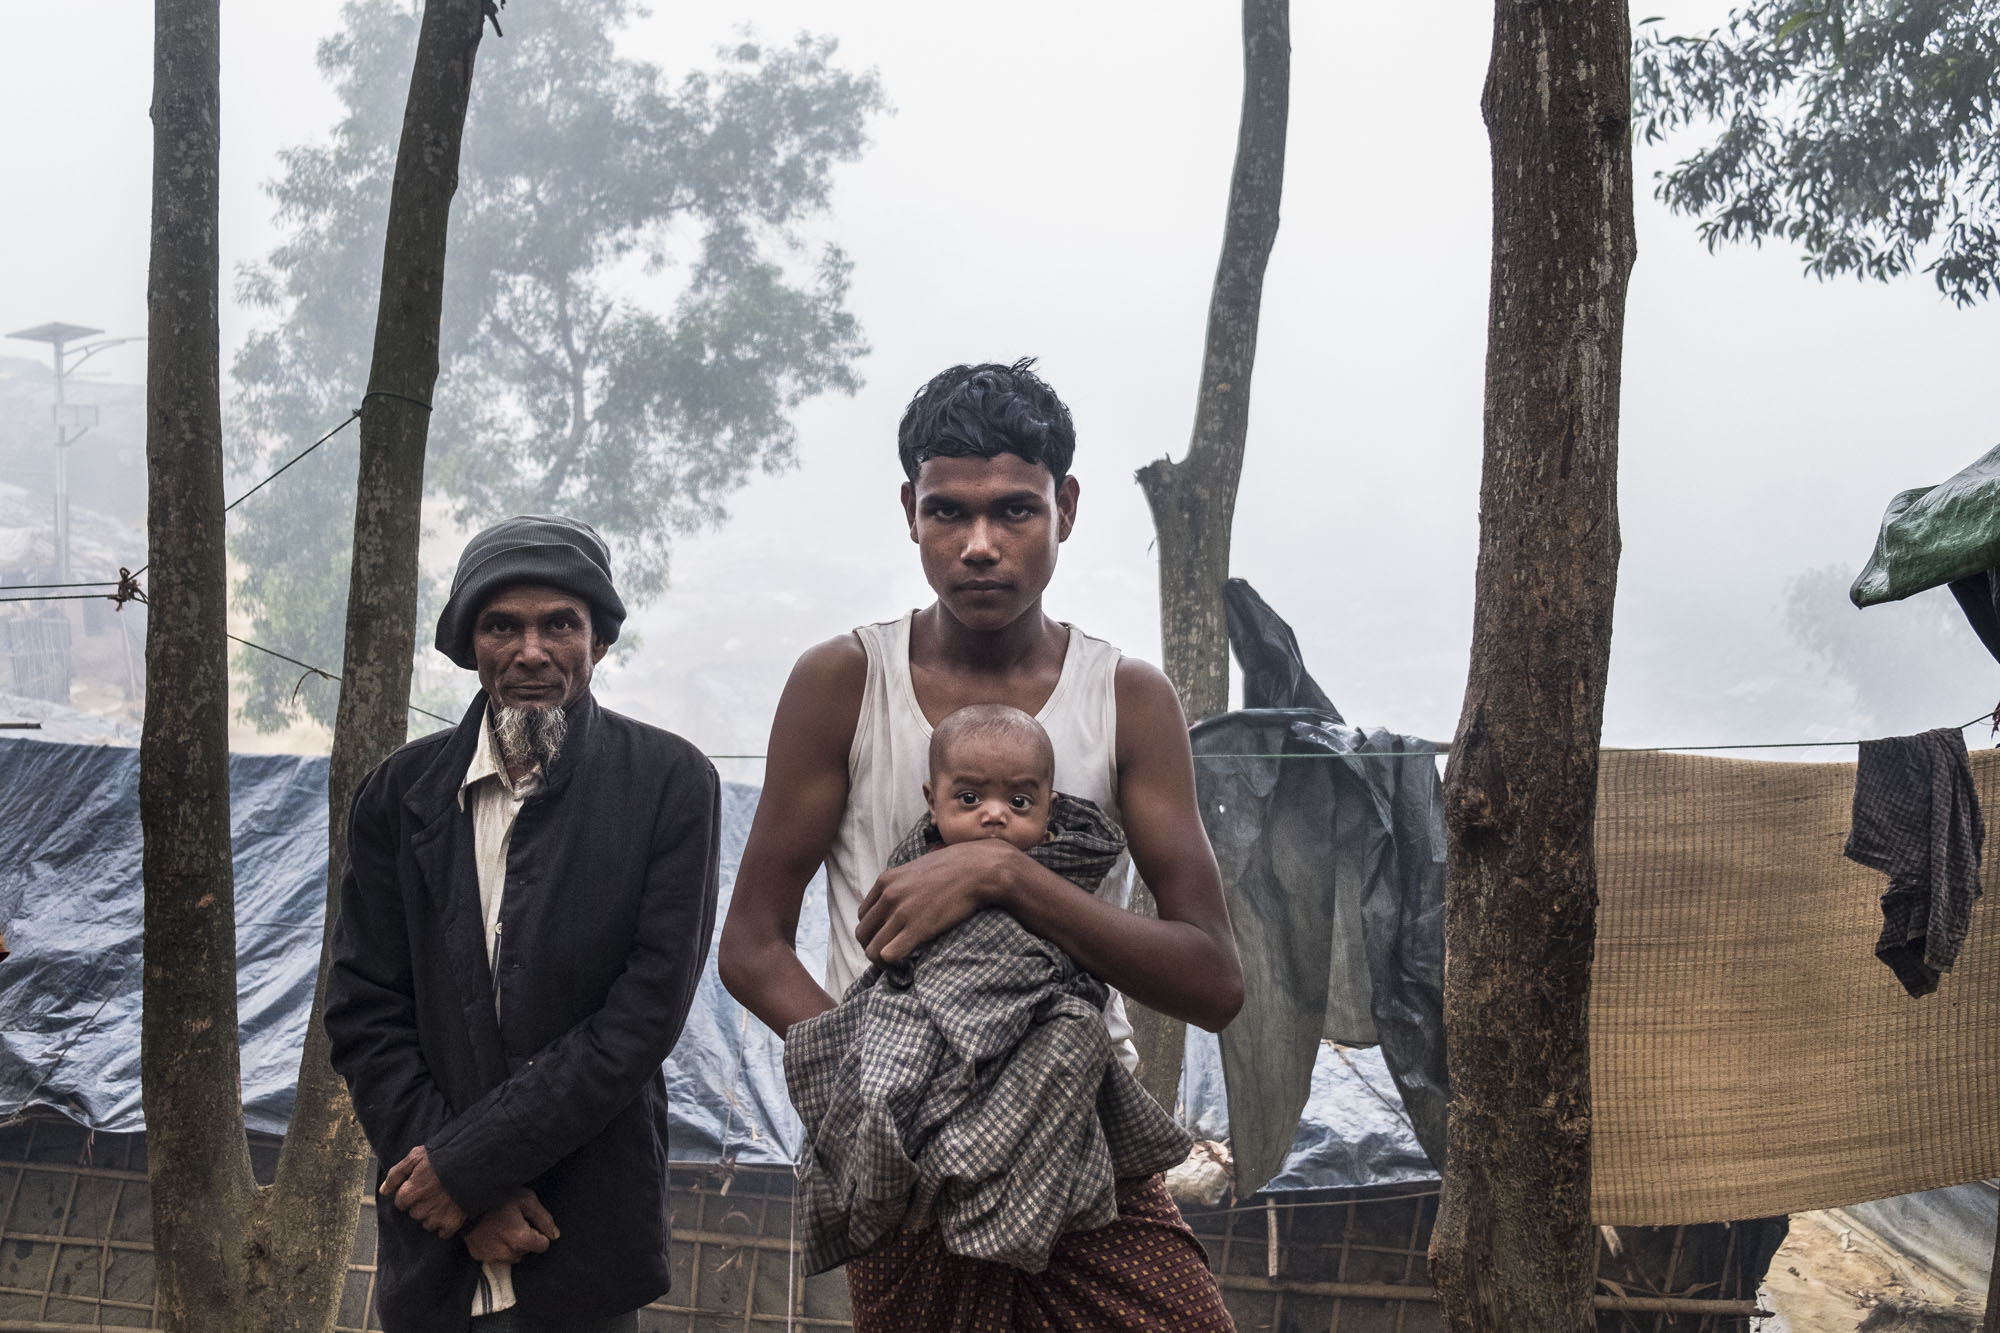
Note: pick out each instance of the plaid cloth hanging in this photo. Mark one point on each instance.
(1916, 818)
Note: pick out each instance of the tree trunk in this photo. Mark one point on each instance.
(1514, 1247)
(197, 1159)
(1194, 501)
(305, 1222)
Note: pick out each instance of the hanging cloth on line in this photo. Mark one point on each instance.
(1916, 819)
(1330, 839)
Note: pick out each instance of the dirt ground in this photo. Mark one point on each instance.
(1828, 1279)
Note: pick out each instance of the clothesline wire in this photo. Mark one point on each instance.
(1365, 754)
(1441, 750)
(1351, 755)
(350, 419)
(324, 674)
(90, 583)
(129, 580)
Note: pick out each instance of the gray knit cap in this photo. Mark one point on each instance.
(555, 552)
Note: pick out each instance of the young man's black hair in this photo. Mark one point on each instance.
(985, 411)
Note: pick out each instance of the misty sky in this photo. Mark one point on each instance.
(1052, 183)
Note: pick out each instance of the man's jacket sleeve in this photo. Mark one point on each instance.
(371, 1012)
(565, 1094)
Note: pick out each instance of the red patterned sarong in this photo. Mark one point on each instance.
(1145, 1273)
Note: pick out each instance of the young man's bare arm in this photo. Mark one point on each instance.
(798, 814)
(1183, 964)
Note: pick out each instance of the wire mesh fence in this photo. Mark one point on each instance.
(76, 1252)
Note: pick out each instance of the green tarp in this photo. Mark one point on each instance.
(1935, 535)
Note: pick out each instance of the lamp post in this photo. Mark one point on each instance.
(58, 335)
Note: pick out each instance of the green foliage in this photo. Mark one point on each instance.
(632, 307)
(1860, 130)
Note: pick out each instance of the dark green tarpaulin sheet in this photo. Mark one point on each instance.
(1330, 839)
(1934, 535)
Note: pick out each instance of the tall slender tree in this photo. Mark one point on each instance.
(1514, 1248)
(1194, 500)
(320, 1168)
(198, 1164)
(234, 1257)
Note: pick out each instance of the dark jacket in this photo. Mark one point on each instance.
(605, 925)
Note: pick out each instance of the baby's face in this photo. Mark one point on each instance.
(991, 787)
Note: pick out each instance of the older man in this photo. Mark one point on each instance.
(509, 1080)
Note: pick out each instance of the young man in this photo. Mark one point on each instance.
(989, 502)
(509, 1080)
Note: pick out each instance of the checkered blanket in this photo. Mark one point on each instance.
(1916, 818)
(974, 1087)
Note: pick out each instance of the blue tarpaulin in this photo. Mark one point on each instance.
(70, 896)
(70, 901)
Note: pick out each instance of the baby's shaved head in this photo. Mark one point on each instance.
(986, 725)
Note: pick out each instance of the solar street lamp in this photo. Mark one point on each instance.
(72, 420)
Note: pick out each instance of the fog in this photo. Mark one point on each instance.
(1052, 184)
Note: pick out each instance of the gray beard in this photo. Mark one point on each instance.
(529, 738)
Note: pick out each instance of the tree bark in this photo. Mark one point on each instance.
(1514, 1247)
(198, 1161)
(1194, 501)
(306, 1220)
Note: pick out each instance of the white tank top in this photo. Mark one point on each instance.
(889, 763)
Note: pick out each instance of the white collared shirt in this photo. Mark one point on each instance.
(496, 802)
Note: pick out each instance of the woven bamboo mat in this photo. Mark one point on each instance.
(1749, 1054)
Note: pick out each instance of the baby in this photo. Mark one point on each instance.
(993, 775)
(973, 1087)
